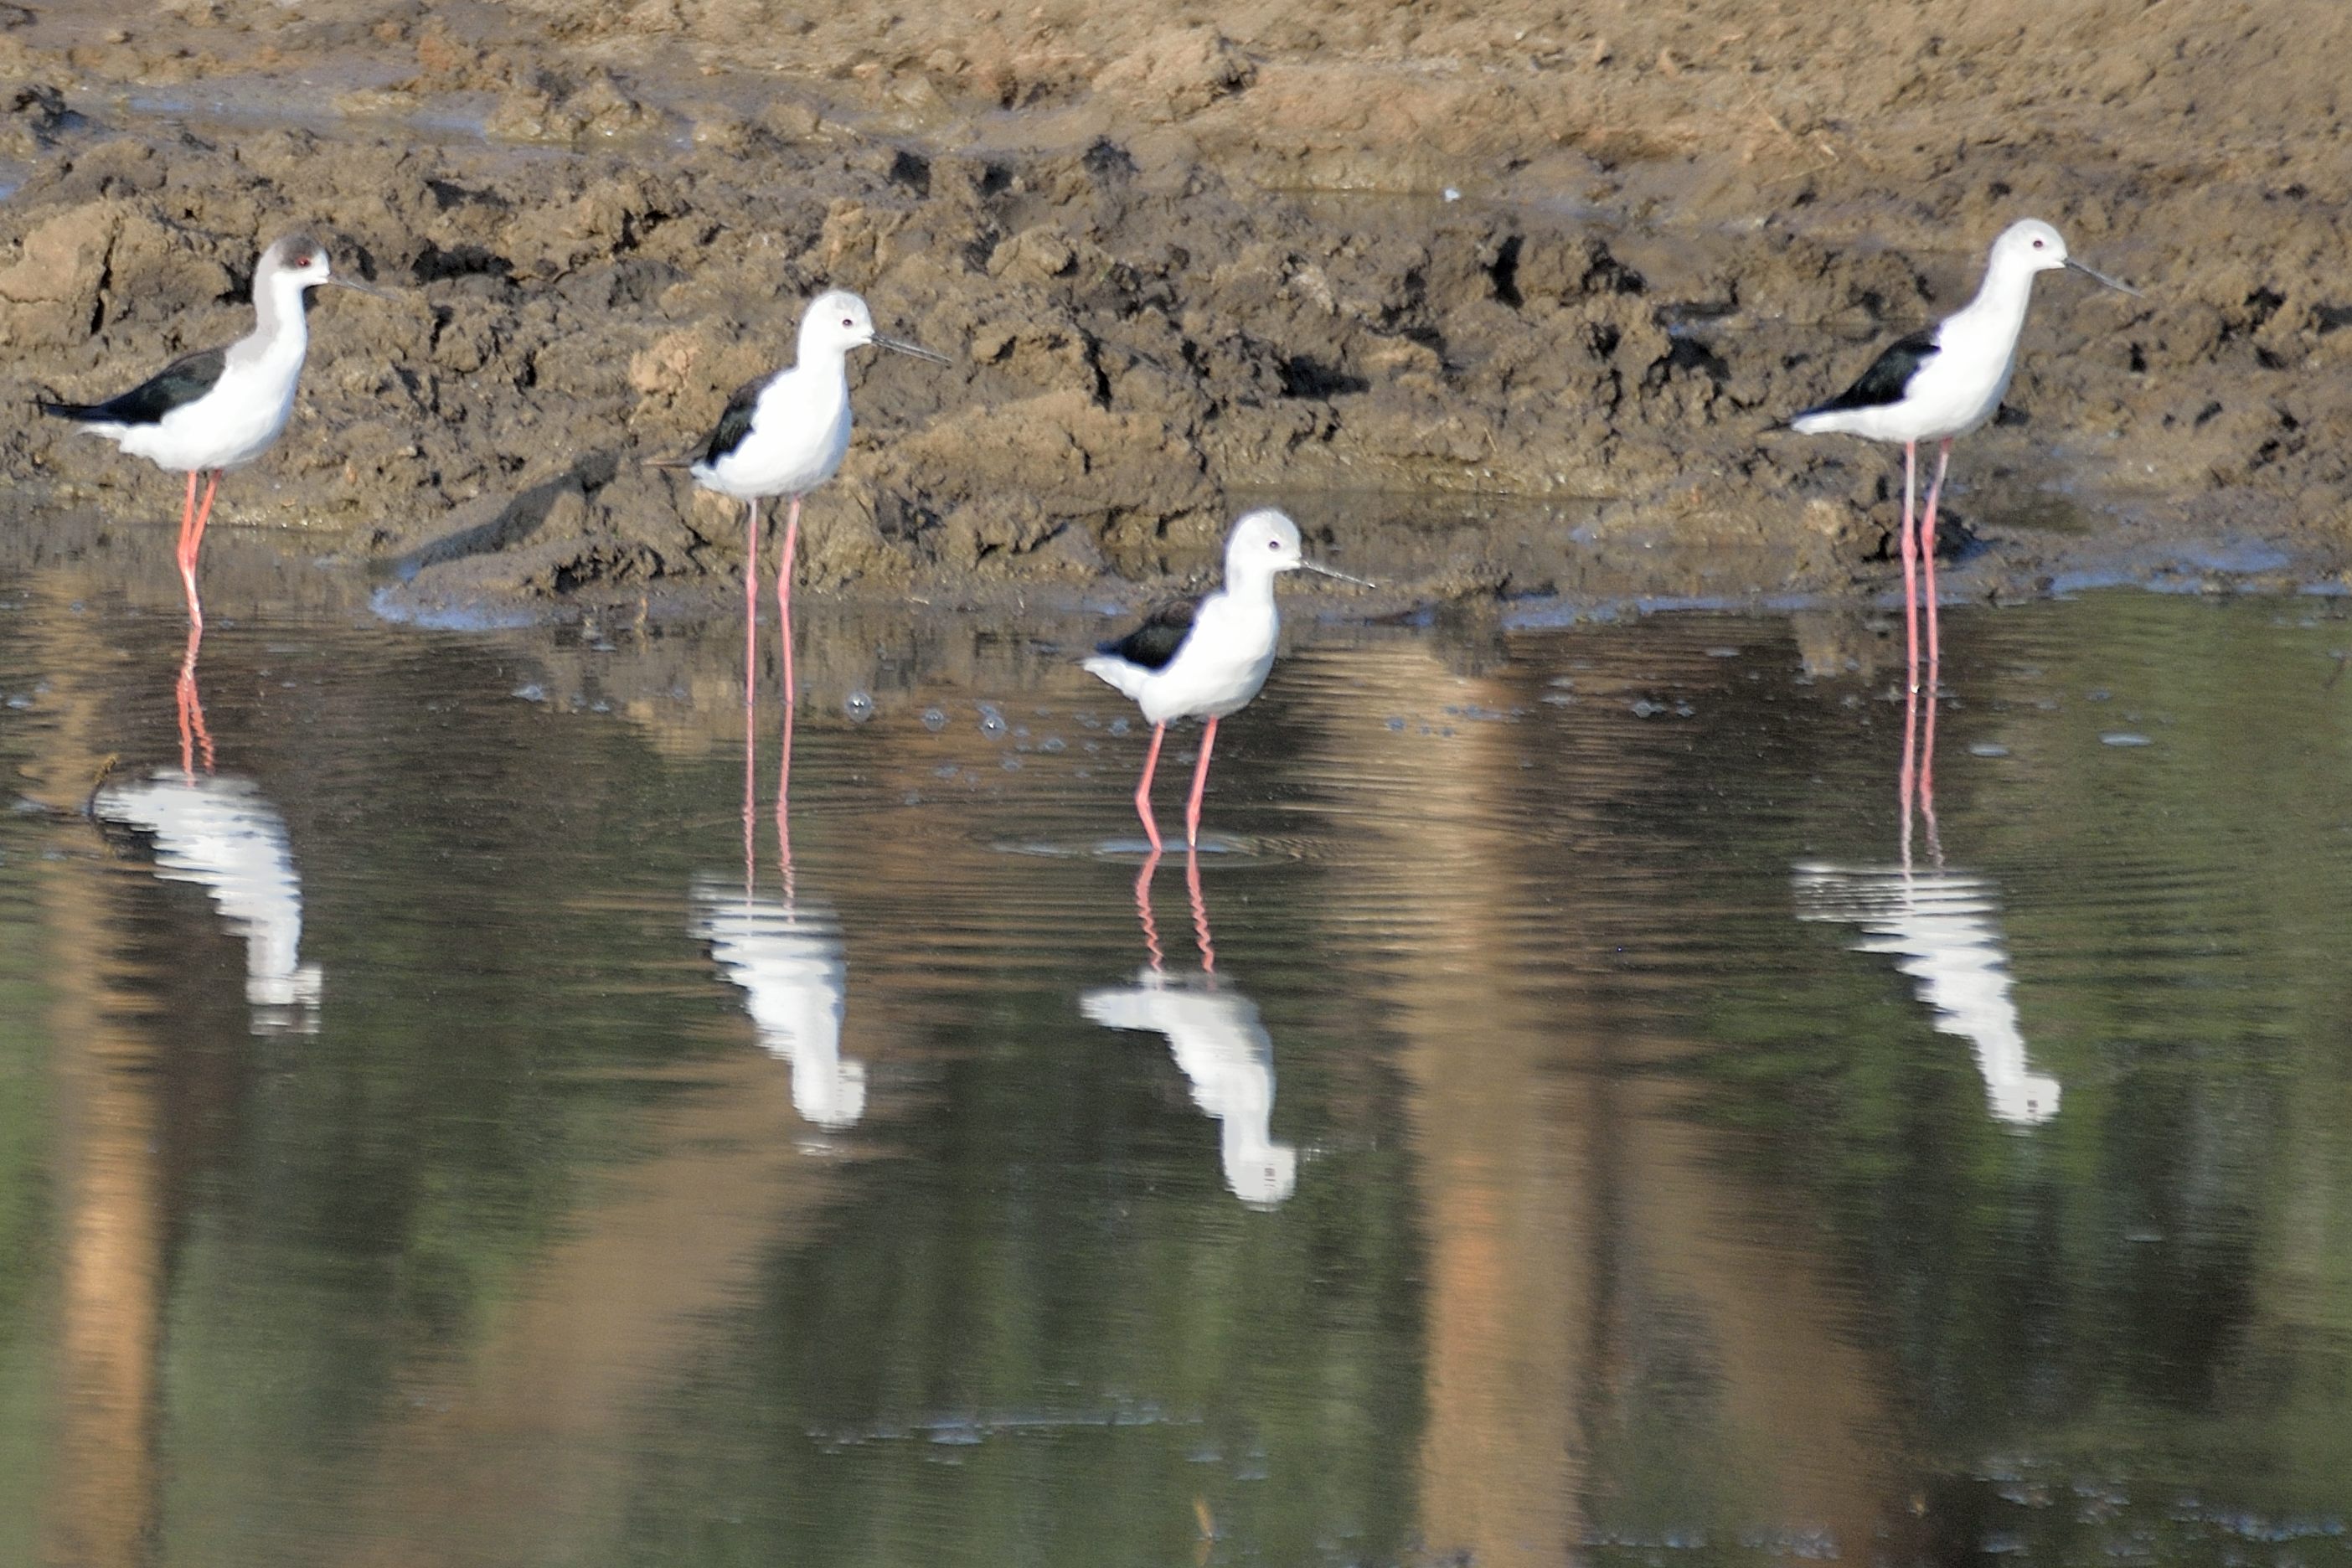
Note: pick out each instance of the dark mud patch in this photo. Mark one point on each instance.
(1136, 234)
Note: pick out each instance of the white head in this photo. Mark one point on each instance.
(297, 260)
(837, 322)
(300, 262)
(1265, 543)
(2029, 246)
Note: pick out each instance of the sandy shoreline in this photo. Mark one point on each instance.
(1187, 259)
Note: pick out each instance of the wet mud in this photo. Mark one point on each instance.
(1499, 300)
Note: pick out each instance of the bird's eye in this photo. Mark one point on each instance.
(2037, 244)
(301, 261)
(1274, 545)
(848, 322)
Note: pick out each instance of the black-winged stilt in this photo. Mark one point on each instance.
(785, 435)
(1943, 382)
(220, 408)
(1207, 659)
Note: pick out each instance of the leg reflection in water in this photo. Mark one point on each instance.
(1218, 1042)
(1943, 928)
(786, 957)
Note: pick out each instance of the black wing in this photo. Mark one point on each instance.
(1151, 644)
(177, 385)
(736, 422)
(1887, 379)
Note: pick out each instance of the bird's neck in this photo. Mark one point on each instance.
(2000, 301)
(1249, 585)
(830, 361)
(279, 325)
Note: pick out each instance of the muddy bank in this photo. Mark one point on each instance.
(1562, 262)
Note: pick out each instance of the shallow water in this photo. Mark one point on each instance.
(1591, 1143)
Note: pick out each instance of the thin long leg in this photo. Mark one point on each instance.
(784, 593)
(1200, 912)
(1910, 578)
(784, 788)
(185, 553)
(1152, 951)
(1143, 787)
(751, 695)
(194, 735)
(1200, 783)
(1927, 559)
(792, 693)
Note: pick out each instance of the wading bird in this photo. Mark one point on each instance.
(1206, 660)
(785, 435)
(220, 408)
(1942, 383)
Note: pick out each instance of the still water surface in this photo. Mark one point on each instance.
(1551, 1123)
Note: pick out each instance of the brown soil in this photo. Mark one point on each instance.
(1190, 258)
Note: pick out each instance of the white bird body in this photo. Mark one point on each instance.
(221, 835)
(799, 436)
(1944, 929)
(1206, 661)
(1950, 379)
(1960, 385)
(1223, 661)
(786, 434)
(1940, 383)
(1224, 1053)
(788, 961)
(223, 408)
(248, 408)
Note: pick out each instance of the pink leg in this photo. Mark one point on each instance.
(1200, 912)
(1910, 578)
(750, 691)
(785, 594)
(193, 734)
(1143, 912)
(185, 553)
(1927, 559)
(1200, 783)
(1143, 789)
(785, 782)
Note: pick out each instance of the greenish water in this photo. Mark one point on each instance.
(1593, 1142)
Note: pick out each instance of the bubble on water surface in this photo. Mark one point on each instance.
(934, 721)
(860, 706)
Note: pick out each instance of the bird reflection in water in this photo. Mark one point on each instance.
(787, 957)
(1943, 927)
(223, 836)
(1219, 1044)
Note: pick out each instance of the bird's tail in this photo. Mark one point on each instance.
(1109, 667)
(688, 461)
(69, 410)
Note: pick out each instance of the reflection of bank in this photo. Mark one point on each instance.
(222, 835)
(788, 959)
(1943, 927)
(1219, 1044)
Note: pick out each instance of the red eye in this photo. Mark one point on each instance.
(301, 261)
(2037, 244)
(848, 322)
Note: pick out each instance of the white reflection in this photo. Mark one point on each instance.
(788, 959)
(1220, 1045)
(1945, 928)
(220, 834)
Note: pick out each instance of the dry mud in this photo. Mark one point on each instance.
(1497, 298)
